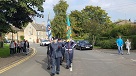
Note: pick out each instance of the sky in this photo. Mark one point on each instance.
(116, 9)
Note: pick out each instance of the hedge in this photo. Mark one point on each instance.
(111, 43)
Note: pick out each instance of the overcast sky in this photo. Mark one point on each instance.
(116, 9)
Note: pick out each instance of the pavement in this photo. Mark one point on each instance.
(96, 62)
(16, 59)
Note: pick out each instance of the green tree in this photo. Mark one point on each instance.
(98, 24)
(59, 21)
(77, 22)
(18, 12)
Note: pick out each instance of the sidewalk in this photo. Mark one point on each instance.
(13, 58)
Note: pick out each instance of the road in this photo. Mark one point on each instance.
(86, 63)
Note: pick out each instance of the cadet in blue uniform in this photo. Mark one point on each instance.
(49, 56)
(55, 56)
(69, 50)
(62, 50)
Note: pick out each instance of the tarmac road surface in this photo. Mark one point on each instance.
(97, 62)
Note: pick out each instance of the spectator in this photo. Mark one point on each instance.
(27, 47)
(12, 46)
(128, 46)
(18, 47)
(119, 42)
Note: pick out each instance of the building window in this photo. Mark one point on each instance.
(30, 33)
(38, 33)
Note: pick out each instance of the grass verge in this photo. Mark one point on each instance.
(5, 51)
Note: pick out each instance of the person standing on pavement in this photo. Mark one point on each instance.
(24, 46)
(55, 56)
(12, 46)
(18, 47)
(128, 46)
(69, 50)
(27, 47)
(21, 46)
(15, 48)
(120, 43)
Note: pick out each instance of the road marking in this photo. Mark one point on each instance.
(97, 59)
(6, 68)
(133, 60)
(112, 54)
(122, 57)
(71, 67)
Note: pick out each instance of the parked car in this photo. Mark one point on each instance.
(84, 44)
(7, 41)
(44, 42)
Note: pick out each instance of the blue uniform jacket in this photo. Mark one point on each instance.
(69, 46)
(55, 50)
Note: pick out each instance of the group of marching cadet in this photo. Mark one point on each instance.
(57, 51)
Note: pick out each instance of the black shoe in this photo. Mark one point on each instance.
(48, 68)
(67, 67)
(57, 73)
(52, 74)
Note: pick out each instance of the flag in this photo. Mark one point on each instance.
(48, 29)
(68, 28)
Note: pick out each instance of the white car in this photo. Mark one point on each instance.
(44, 42)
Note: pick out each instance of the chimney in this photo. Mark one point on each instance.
(134, 21)
(130, 20)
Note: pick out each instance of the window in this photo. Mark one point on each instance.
(38, 33)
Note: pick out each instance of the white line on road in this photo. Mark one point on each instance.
(112, 54)
(97, 59)
(71, 67)
(133, 60)
(122, 57)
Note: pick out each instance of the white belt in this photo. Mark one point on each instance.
(68, 49)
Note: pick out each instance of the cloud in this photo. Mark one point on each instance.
(115, 8)
(48, 4)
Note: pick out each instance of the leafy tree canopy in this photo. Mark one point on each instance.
(18, 12)
(59, 21)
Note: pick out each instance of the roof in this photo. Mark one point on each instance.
(121, 22)
(14, 28)
(38, 27)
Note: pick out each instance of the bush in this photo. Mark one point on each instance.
(111, 43)
(108, 44)
(132, 39)
(22, 37)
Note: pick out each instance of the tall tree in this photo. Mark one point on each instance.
(59, 21)
(18, 12)
(97, 21)
(76, 22)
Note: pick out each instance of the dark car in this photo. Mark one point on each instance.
(6, 41)
(84, 44)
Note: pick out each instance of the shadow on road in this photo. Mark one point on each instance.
(44, 64)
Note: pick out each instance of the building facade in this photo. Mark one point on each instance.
(34, 32)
